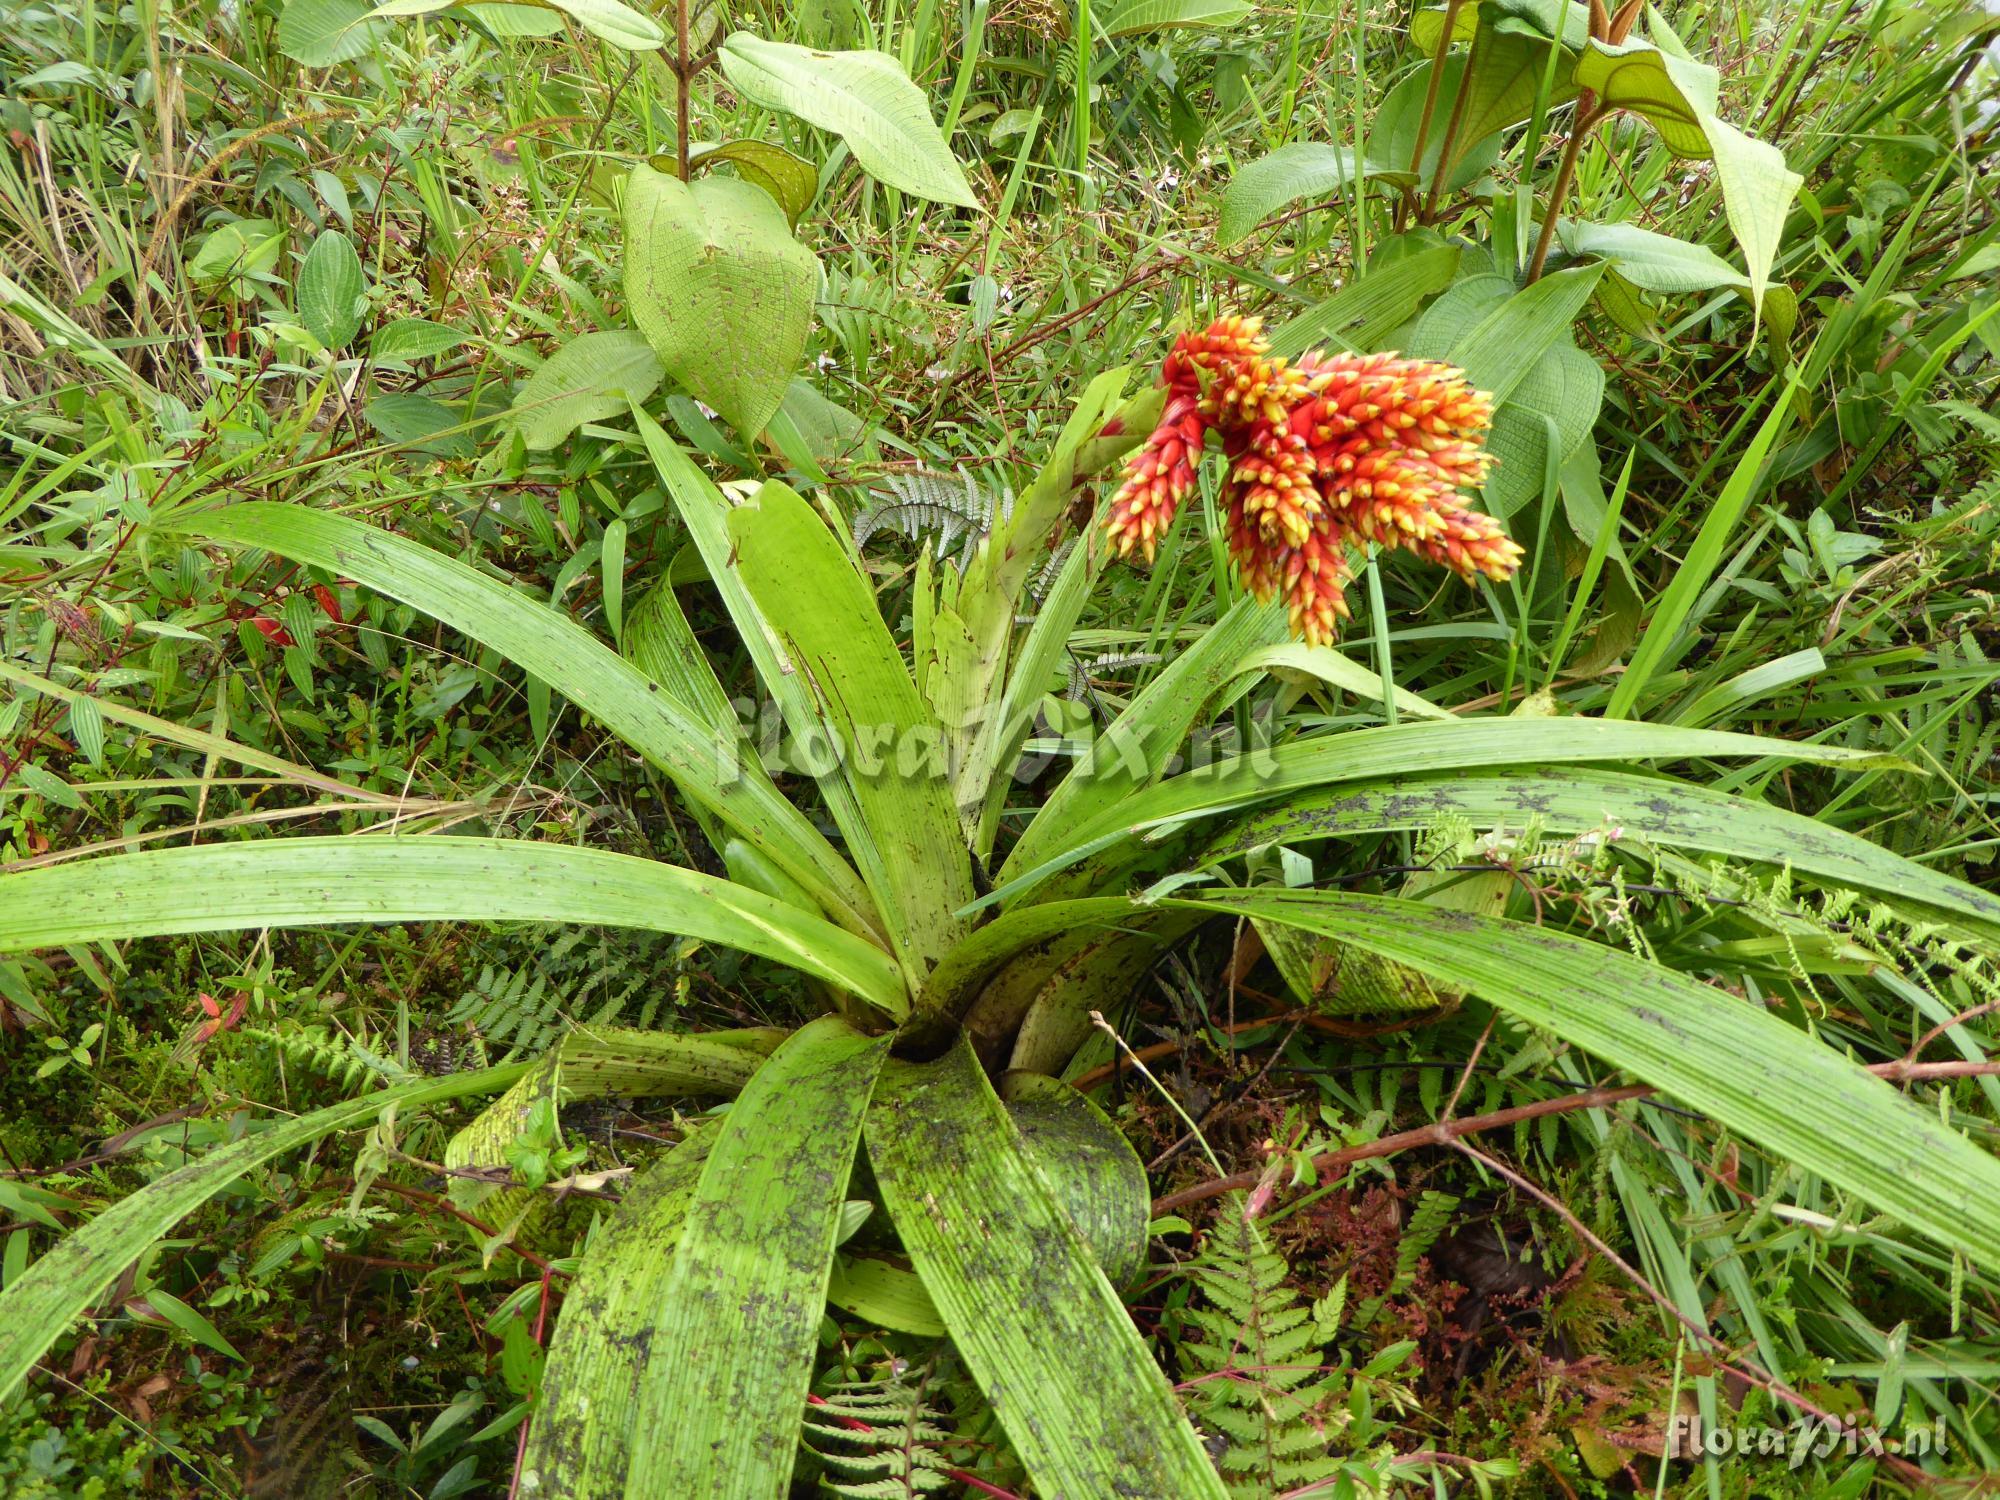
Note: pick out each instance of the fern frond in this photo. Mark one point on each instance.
(955, 507)
(562, 977)
(1080, 672)
(879, 1439)
(1255, 1350)
(345, 1060)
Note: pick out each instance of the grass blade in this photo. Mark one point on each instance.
(1660, 646)
(37, 1309)
(1736, 1063)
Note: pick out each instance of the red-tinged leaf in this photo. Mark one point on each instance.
(329, 603)
(271, 630)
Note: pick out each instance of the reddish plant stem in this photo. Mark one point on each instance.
(854, 1424)
(1587, 116)
(521, 1443)
(1447, 1132)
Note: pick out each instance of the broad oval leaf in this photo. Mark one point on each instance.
(332, 290)
(593, 376)
(1677, 97)
(1548, 18)
(791, 180)
(1650, 260)
(720, 289)
(1671, 94)
(1128, 17)
(503, 20)
(1392, 135)
(609, 20)
(415, 338)
(320, 33)
(410, 420)
(620, 25)
(865, 98)
(1513, 61)
(237, 251)
(1304, 169)
(1757, 193)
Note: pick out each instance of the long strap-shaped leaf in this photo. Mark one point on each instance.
(1063, 926)
(38, 1307)
(1140, 742)
(704, 510)
(547, 643)
(724, 1387)
(980, 605)
(907, 841)
(1261, 776)
(314, 881)
(1568, 798)
(1730, 1059)
(1082, 1401)
(580, 1436)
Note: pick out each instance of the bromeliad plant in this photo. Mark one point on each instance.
(960, 974)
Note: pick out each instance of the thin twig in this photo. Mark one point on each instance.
(1447, 1132)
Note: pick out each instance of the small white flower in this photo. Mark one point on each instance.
(827, 362)
(705, 409)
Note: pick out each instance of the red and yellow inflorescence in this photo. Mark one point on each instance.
(1325, 452)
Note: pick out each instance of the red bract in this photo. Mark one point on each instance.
(1325, 453)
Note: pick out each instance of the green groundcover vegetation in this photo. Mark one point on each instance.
(1162, 749)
